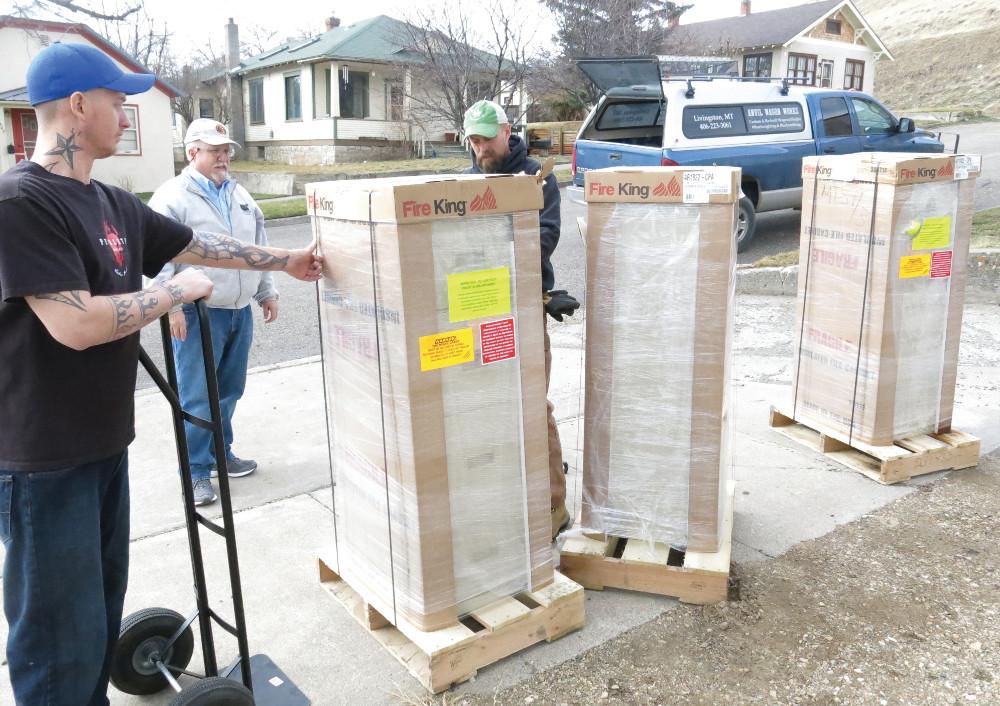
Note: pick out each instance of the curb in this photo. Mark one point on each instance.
(983, 278)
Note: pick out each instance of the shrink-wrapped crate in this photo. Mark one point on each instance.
(660, 259)
(883, 252)
(431, 325)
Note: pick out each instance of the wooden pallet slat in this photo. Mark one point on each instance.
(700, 577)
(439, 659)
(887, 464)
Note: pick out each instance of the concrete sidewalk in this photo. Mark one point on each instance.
(784, 496)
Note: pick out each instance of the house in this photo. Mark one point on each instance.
(826, 44)
(144, 159)
(345, 95)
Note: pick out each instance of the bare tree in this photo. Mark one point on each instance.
(459, 53)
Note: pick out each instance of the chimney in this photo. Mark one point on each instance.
(745, 8)
(331, 22)
(673, 21)
(234, 84)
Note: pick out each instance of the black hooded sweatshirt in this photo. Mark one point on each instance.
(518, 161)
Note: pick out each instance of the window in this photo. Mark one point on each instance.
(833, 26)
(256, 101)
(394, 100)
(702, 121)
(354, 95)
(826, 74)
(802, 69)
(129, 142)
(836, 119)
(479, 90)
(328, 84)
(854, 75)
(293, 97)
(757, 65)
(205, 108)
(873, 119)
(622, 115)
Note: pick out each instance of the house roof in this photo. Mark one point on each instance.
(84, 31)
(378, 39)
(16, 95)
(762, 29)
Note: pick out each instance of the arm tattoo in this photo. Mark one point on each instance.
(124, 322)
(127, 320)
(69, 298)
(175, 294)
(65, 148)
(210, 246)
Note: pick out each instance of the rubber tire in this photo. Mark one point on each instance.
(136, 629)
(214, 691)
(747, 222)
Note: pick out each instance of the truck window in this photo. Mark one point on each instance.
(836, 119)
(872, 118)
(734, 120)
(633, 114)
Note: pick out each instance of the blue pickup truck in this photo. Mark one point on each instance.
(764, 127)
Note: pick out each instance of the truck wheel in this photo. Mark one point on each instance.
(746, 224)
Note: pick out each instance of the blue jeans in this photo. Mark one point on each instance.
(64, 578)
(232, 333)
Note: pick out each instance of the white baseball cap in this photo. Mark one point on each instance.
(209, 131)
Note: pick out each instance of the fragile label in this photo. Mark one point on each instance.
(442, 350)
(497, 340)
(941, 264)
(914, 266)
(930, 234)
(700, 186)
(478, 294)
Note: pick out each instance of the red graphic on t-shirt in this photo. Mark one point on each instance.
(117, 246)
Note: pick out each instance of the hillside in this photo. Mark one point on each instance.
(947, 53)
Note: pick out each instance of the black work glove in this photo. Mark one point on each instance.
(559, 303)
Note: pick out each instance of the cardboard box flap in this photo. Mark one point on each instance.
(691, 185)
(892, 167)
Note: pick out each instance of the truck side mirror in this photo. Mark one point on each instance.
(906, 125)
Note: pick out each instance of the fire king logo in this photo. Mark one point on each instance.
(948, 170)
(671, 189)
(116, 244)
(484, 202)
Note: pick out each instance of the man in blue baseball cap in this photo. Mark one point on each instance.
(72, 255)
(496, 151)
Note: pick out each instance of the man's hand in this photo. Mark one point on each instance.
(192, 283)
(270, 308)
(559, 303)
(304, 264)
(178, 325)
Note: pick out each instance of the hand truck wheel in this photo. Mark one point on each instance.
(214, 691)
(144, 641)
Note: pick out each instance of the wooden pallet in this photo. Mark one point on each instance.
(892, 463)
(443, 658)
(637, 565)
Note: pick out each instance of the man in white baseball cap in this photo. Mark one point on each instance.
(204, 197)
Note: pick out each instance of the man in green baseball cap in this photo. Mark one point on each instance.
(496, 151)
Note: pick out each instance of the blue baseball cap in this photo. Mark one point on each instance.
(60, 70)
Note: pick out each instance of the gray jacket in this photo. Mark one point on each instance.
(183, 200)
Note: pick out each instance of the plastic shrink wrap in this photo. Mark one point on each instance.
(660, 260)
(883, 253)
(431, 324)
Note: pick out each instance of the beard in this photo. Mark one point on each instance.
(488, 165)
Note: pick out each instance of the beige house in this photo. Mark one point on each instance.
(144, 159)
(827, 44)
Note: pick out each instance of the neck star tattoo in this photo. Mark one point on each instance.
(67, 146)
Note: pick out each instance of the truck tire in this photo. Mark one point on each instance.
(746, 224)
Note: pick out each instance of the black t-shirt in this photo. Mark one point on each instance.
(60, 407)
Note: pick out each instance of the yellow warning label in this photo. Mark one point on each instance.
(914, 266)
(478, 294)
(441, 350)
(933, 233)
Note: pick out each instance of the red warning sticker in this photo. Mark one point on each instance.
(498, 341)
(941, 263)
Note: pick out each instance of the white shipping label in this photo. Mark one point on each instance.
(699, 186)
(965, 163)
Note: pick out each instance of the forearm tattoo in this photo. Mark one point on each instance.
(220, 248)
(71, 298)
(133, 311)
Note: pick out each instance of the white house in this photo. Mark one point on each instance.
(826, 43)
(344, 95)
(145, 157)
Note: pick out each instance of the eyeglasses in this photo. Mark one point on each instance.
(227, 150)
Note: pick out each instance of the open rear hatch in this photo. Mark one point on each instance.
(626, 75)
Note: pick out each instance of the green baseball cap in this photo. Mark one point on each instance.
(484, 118)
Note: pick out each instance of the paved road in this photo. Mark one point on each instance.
(293, 335)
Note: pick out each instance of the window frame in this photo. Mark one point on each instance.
(297, 77)
(811, 60)
(366, 107)
(135, 126)
(757, 58)
(201, 108)
(824, 119)
(850, 76)
(839, 23)
(877, 110)
(259, 82)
